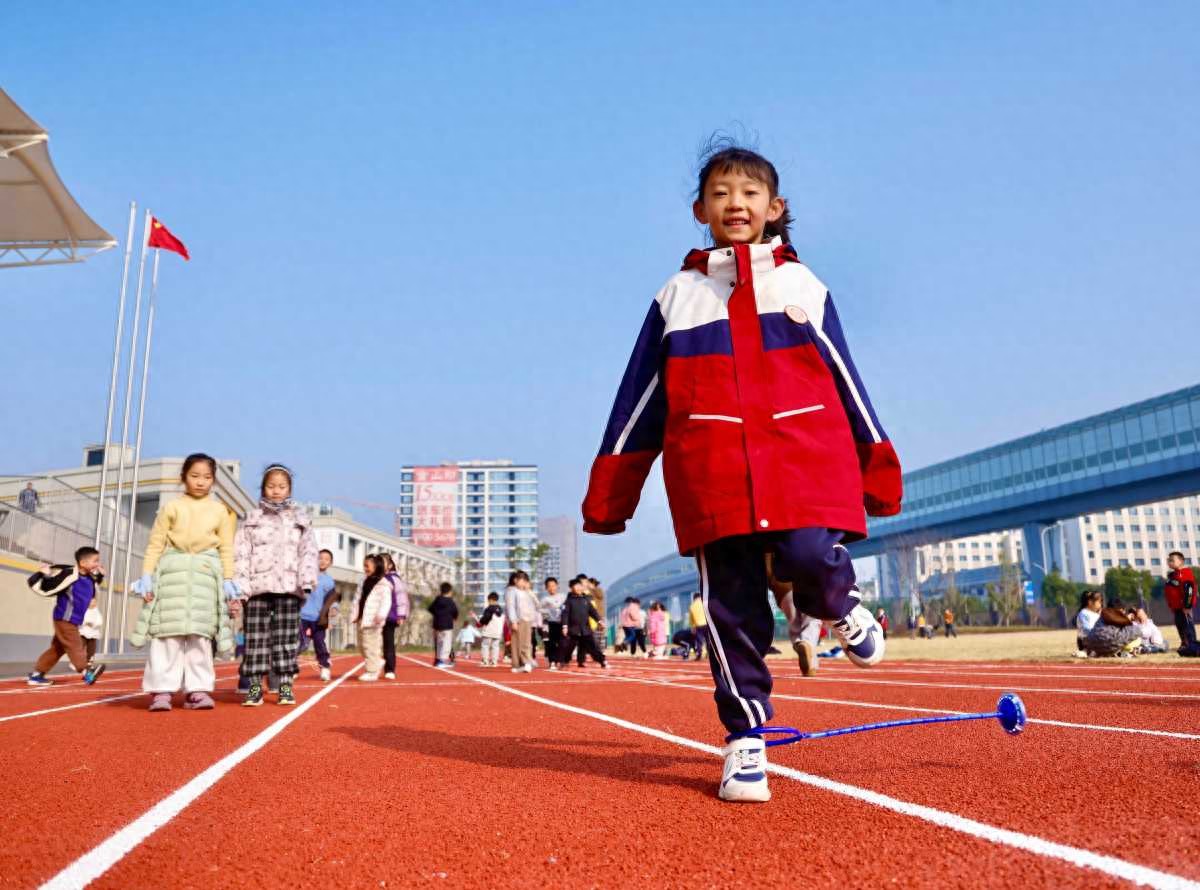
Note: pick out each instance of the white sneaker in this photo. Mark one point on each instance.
(745, 776)
(861, 637)
(368, 678)
(516, 670)
(553, 666)
(528, 667)
(326, 675)
(390, 675)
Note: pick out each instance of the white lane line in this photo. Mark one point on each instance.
(882, 706)
(104, 856)
(82, 704)
(1042, 675)
(1098, 667)
(1050, 690)
(1109, 865)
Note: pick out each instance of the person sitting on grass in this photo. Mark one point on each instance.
(1114, 633)
(1085, 620)
(1152, 638)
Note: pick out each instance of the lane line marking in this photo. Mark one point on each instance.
(1097, 727)
(105, 855)
(83, 704)
(1109, 865)
(1051, 690)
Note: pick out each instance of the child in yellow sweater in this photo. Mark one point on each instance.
(187, 577)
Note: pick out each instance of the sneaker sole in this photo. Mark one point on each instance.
(745, 795)
(807, 656)
(252, 704)
(287, 704)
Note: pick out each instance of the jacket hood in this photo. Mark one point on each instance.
(722, 261)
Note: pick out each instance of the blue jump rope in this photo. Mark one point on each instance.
(1010, 711)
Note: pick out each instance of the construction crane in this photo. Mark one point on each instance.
(374, 506)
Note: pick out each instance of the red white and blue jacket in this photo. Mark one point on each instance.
(741, 377)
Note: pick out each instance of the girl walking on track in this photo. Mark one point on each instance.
(374, 602)
(186, 579)
(275, 562)
(742, 379)
(397, 615)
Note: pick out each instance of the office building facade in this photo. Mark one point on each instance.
(479, 513)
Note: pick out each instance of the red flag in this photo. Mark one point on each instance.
(160, 236)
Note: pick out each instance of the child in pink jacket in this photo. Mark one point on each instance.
(275, 568)
(656, 627)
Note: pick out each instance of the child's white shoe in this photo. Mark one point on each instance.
(368, 678)
(325, 674)
(745, 776)
(861, 637)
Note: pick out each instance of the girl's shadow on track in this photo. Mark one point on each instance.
(629, 764)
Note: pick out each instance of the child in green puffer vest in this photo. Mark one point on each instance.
(186, 582)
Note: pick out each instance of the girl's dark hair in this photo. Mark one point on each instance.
(722, 154)
(274, 468)
(192, 459)
(377, 564)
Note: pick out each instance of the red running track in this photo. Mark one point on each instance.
(482, 778)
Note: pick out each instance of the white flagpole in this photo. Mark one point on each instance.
(112, 398)
(133, 345)
(137, 448)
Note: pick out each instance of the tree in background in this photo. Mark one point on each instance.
(1059, 594)
(1007, 596)
(1128, 585)
(517, 557)
(537, 557)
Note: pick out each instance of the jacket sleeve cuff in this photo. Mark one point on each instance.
(883, 487)
(614, 489)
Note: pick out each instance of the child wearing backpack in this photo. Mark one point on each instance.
(491, 626)
(74, 590)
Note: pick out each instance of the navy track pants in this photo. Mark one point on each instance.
(741, 624)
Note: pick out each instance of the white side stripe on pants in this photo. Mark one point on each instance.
(715, 643)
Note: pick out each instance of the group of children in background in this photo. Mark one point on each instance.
(569, 625)
(199, 575)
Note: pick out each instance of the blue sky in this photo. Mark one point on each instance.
(426, 233)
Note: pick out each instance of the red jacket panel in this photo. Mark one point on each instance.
(742, 379)
(1180, 589)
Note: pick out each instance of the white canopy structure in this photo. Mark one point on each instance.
(40, 223)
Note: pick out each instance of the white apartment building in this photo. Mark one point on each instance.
(961, 554)
(1085, 547)
(1140, 537)
(476, 512)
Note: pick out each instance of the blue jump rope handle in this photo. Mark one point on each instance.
(1010, 711)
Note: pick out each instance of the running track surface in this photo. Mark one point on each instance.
(482, 778)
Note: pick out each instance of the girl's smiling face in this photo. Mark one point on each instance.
(736, 208)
